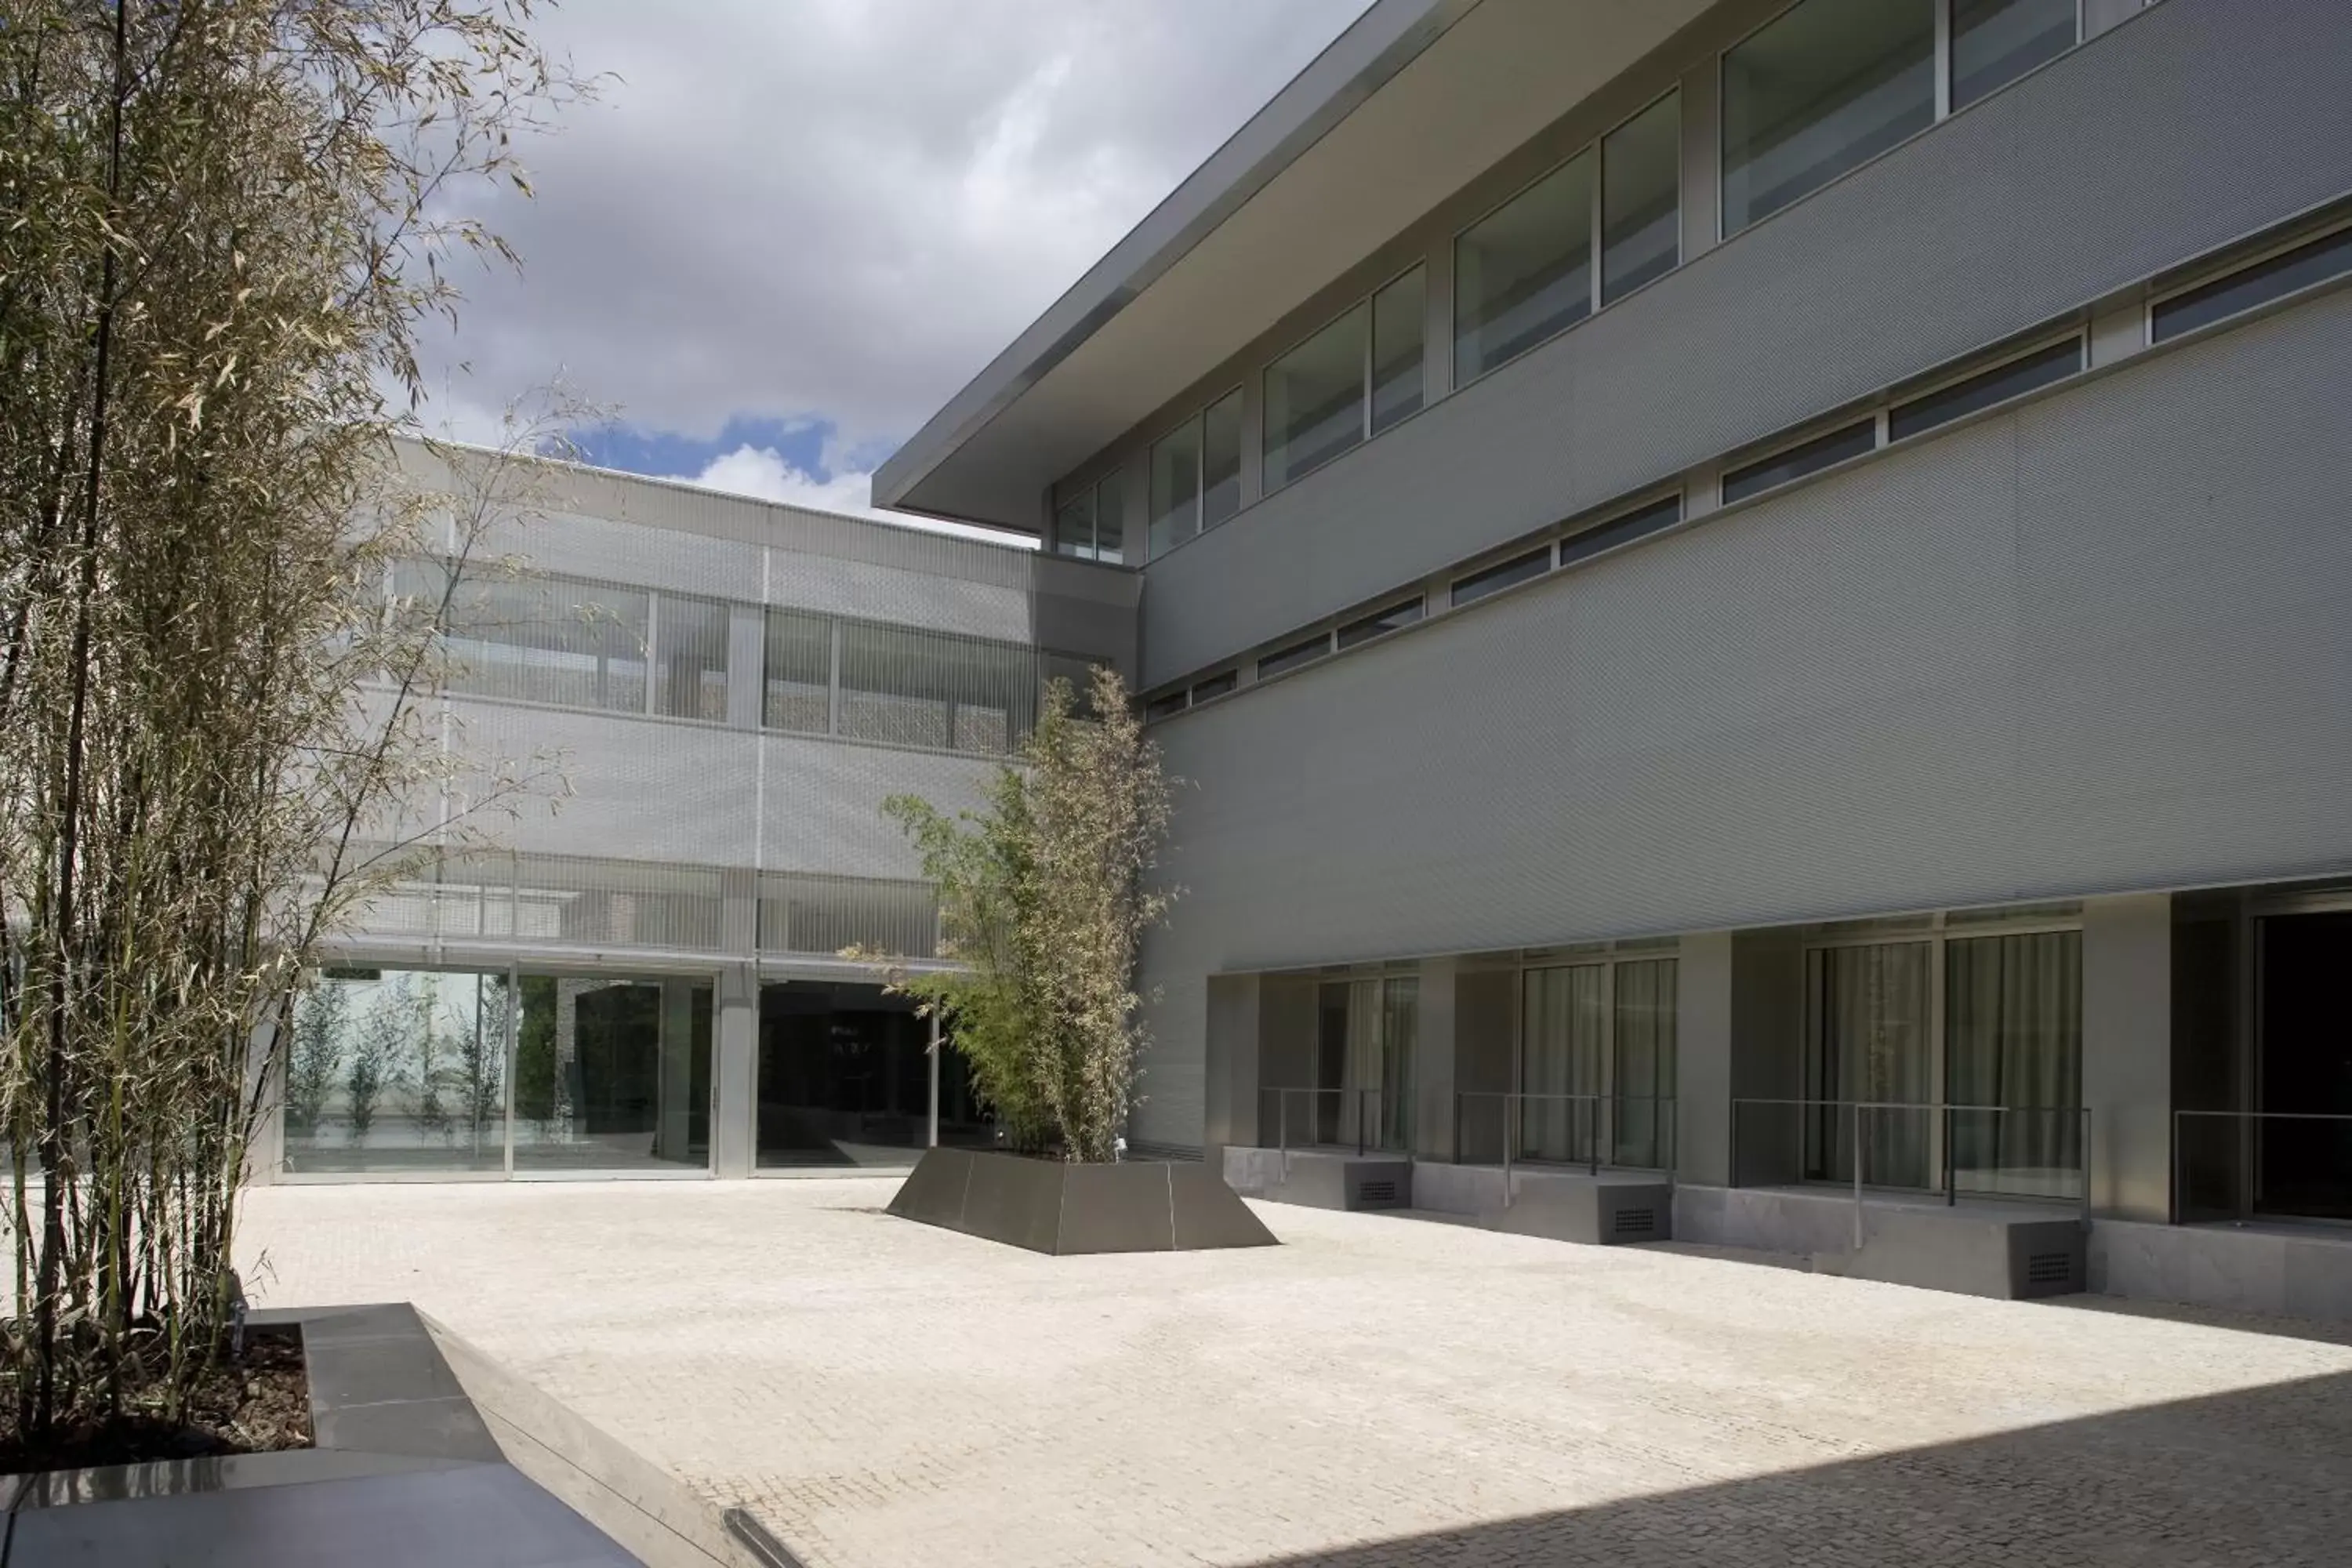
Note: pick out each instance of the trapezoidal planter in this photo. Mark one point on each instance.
(1049, 1206)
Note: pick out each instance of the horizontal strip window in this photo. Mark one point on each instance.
(1495, 579)
(1796, 462)
(2273, 278)
(1637, 525)
(1380, 624)
(1284, 660)
(2031, 372)
(1166, 707)
(1215, 686)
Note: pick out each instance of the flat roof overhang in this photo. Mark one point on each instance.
(1409, 104)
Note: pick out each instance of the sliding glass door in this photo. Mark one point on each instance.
(1871, 1016)
(1596, 1069)
(2013, 1053)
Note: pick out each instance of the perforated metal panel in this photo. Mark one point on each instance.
(2097, 644)
(2201, 122)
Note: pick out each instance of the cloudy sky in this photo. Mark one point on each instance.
(790, 229)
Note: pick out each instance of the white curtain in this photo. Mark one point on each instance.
(1872, 1044)
(1382, 1022)
(1644, 1062)
(1560, 1054)
(2013, 1039)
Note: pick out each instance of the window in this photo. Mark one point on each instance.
(1196, 475)
(1399, 313)
(1523, 272)
(913, 688)
(541, 639)
(1495, 579)
(1215, 686)
(1380, 624)
(690, 659)
(1827, 86)
(2013, 1038)
(1994, 42)
(1175, 488)
(1315, 400)
(1640, 198)
(1796, 462)
(1293, 657)
(1091, 525)
(1352, 380)
(1999, 384)
(1166, 707)
(799, 693)
(1624, 531)
(1221, 460)
(2274, 278)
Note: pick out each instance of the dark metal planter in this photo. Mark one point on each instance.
(1049, 1206)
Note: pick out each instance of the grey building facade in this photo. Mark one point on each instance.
(1755, 592)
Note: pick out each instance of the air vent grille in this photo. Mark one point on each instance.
(2050, 1268)
(1636, 1222)
(1376, 1192)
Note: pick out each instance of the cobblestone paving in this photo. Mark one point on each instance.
(1377, 1393)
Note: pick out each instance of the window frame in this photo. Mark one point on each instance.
(2017, 353)
(1198, 421)
(2337, 227)
(1601, 300)
(1366, 361)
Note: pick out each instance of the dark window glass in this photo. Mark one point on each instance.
(1523, 272)
(1314, 399)
(1073, 526)
(1994, 42)
(799, 672)
(1215, 686)
(1166, 707)
(1380, 624)
(1640, 198)
(1798, 461)
(1175, 488)
(690, 659)
(1997, 385)
(1823, 88)
(1110, 518)
(1609, 535)
(2326, 256)
(1294, 655)
(1495, 579)
(1400, 313)
(1221, 460)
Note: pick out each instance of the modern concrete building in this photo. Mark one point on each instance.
(1758, 600)
(700, 704)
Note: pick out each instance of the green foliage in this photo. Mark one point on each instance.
(319, 1021)
(1044, 900)
(535, 1050)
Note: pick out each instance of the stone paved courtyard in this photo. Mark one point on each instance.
(1378, 1392)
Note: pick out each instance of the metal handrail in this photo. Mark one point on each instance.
(2245, 1156)
(1513, 1098)
(1282, 1102)
(1947, 1110)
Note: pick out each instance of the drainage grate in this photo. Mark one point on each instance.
(1632, 1222)
(2050, 1268)
(1376, 1192)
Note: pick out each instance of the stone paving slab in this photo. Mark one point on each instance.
(1379, 1391)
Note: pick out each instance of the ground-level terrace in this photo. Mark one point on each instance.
(1375, 1392)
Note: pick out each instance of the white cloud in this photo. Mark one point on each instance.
(766, 474)
(845, 208)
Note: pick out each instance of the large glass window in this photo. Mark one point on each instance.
(1400, 321)
(799, 672)
(1564, 1031)
(844, 1078)
(1221, 460)
(612, 1075)
(1640, 198)
(541, 639)
(397, 1069)
(915, 688)
(1073, 526)
(1112, 508)
(1994, 42)
(1869, 1065)
(1827, 86)
(1315, 400)
(2013, 1040)
(1642, 1066)
(690, 659)
(1176, 487)
(1524, 271)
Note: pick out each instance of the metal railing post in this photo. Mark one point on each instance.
(1592, 1136)
(2085, 1114)
(1282, 1115)
(1510, 1138)
(1951, 1187)
(1857, 1175)
(1362, 1096)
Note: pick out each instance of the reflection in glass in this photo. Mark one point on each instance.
(844, 1078)
(1175, 488)
(1994, 42)
(1524, 271)
(1642, 1086)
(1826, 86)
(1073, 526)
(611, 1074)
(1400, 315)
(1315, 400)
(1221, 460)
(799, 672)
(2013, 1038)
(1110, 518)
(398, 1070)
(690, 659)
(539, 639)
(1640, 198)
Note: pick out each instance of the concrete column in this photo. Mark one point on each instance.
(674, 1082)
(1230, 1064)
(1434, 1065)
(1703, 1059)
(734, 1076)
(2127, 1054)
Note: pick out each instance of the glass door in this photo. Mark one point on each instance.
(1872, 1044)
